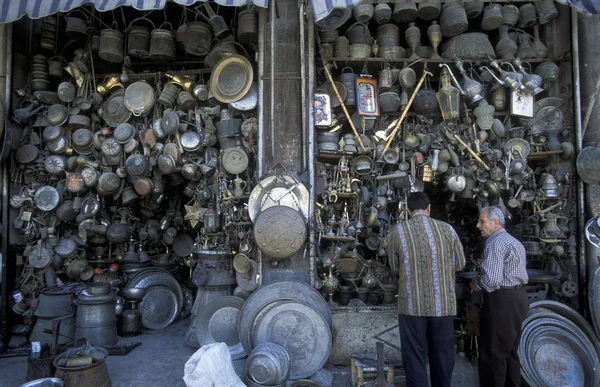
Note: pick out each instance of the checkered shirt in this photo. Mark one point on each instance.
(503, 262)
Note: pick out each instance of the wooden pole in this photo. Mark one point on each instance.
(403, 116)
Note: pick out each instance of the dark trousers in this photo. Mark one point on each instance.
(502, 314)
(421, 335)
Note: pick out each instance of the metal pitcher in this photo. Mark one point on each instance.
(138, 39)
(217, 23)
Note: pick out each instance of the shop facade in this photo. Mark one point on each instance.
(203, 151)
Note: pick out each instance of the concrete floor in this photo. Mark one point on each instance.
(160, 359)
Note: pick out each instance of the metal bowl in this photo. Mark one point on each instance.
(133, 294)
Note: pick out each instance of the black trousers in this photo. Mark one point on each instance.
(420, 336)
(502, 314)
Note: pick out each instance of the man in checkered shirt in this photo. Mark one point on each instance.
(505, 303)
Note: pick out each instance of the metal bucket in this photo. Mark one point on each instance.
(93, 375)
(76, 24)
(138, 39)
(360, 51)
(247, 27)
(388, 35)
(430, 10)
(162, 44)
(54, 304)
(391, 52)
(492, 17)
(363, 12)
(198, 39)
(111, 47)
(405, 12)
(359, 33)
(228, 132)
(453, 19)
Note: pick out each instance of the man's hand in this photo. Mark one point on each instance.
(474, 286)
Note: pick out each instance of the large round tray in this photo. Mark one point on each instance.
(159, 307)
(154, 276)
(278, 291)
(218, 322)
(301, 330)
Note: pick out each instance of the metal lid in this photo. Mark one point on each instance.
(170, 122)
(55, 164)
(235, 160)
(82, 138)
(52, 133)
(57, 114)
(166, 164)
(190, 141)
(26, 154)
(46, 198)
(123, 133)
(280, 231)
(231, 78)
(39, 257)
(109, 182)
(66, 247)
(143, 186)
(136, 164)
(58, 146)
(111, 148)
(90, 176)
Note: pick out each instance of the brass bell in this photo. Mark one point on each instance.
(185, 82)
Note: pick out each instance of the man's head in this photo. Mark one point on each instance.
(418, 201)
(491, 219)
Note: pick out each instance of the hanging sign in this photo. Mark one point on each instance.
(366, 97)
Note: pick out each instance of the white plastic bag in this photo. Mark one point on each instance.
(211, 366)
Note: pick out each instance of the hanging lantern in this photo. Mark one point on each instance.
(448, 97)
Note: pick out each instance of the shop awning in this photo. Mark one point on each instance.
(322, 8)
(11, 10)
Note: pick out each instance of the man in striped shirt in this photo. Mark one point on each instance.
(505, 303)
(425, 253)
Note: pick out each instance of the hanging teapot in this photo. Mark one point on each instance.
(473, 89)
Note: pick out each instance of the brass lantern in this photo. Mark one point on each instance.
(448, 96)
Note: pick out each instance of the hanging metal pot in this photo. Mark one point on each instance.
(162, 44)
(198, 39)
(139, 98)
(546, 11)
(112, 44)
(453, 19)
(247, 27)
(138, 39)
(77, 23)
(492, 17)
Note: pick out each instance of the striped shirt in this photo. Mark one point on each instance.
(425, 253)
(503, 263)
